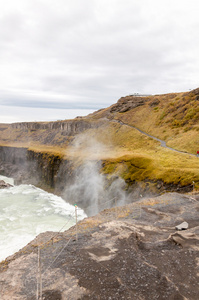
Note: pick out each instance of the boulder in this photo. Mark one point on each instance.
(182, 226)
(4, 184)
(127, 103)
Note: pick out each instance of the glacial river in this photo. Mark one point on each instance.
(26, 211)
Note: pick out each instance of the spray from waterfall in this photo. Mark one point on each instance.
(90, 188)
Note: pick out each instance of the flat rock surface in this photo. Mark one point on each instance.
(129, 252)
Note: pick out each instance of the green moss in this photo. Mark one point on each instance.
(163, 114)
(130, 168)
(190, 114)
(140, 168)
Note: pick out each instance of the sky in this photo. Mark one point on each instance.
(65, 58)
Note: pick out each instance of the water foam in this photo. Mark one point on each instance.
(26, 211)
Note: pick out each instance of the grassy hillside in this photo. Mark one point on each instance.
(123, 150)
(172, 117)
(136, 157)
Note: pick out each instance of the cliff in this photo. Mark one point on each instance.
(169, 117)
(28, 166)
(127, 144)
(126, 252)
(70, 127)
(55, 173)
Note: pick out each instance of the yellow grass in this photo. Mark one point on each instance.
(123, 149)
(175, 119)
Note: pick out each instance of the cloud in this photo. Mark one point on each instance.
(90, 53)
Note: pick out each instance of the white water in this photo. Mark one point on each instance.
(26, 211)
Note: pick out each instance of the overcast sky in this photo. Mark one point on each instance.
(86, 54)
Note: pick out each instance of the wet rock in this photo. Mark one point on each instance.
(4, 184)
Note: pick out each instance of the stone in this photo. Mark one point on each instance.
(4, 184)
(182, 226)
(127, 103)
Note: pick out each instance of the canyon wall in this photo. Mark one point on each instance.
(58, 133)
(70, 127)
(55, 174)
(27, 166)
(13, 155)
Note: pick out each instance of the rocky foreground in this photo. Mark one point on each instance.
(130, 252)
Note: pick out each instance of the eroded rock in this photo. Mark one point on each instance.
(126, 103)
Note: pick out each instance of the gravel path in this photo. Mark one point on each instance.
(162, 143)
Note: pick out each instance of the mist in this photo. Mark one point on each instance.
(90, 189)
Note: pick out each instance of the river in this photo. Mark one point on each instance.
(26, 211)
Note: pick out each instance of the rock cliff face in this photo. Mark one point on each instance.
(59, 133)
(27, 166)
(129, 102)
(13, 155)
(54, 173)
(70, 127)
(45, 170)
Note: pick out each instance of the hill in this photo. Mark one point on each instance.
(129, 131)
(173, 118)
